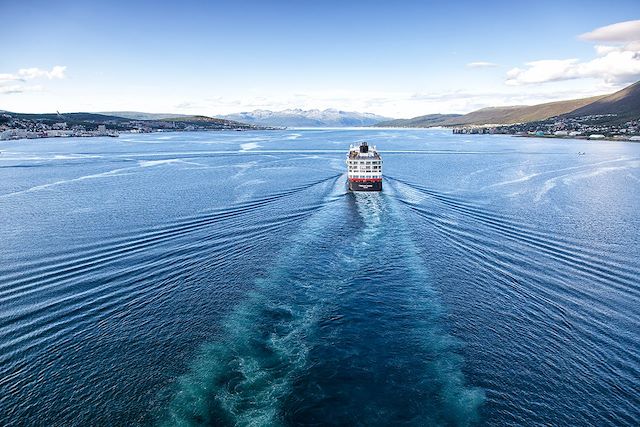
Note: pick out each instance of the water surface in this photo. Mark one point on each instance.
(228, 278)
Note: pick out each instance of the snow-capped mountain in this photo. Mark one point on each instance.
(306, 118)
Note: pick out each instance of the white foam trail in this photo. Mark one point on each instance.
(571, 178)
(150, 163)
(20, 156)
(74, 156)
(534, 175)
(632, 176)
(249, 146)
(108, 174)
(600, 171)
(548, 186)
(112, 173)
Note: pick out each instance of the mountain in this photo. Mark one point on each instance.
(430, 120)
(70, 118)
(497, 115)
(622, 106)
(306, 118)
(205, 120)
(625, 104)
(521, 113)
(137, 115)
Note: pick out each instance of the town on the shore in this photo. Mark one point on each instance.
(32, 130)
(584, 127)
(33, 126)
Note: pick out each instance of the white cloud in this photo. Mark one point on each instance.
(617, 33)
(613, 66)
(481, 64)
(9, 89)
(56, 72)
(14, 83)
(616, 63)
(391, 104)
(546, 70)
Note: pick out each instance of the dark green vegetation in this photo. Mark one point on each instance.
(90, 121)
(620, 106)
(69, 118)
(421, 121)
(137, 115)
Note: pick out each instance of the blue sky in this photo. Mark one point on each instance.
(398, 59)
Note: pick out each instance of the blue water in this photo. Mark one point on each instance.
(228, 278)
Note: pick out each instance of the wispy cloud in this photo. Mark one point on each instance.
(390, 104)
(482, 64)
(15, 83)
(9, 89)
(57, 72)
(621, 32)
(616, 63)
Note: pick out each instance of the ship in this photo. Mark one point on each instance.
(364, 168)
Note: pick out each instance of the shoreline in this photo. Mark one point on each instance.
(578, 137)
(116, 134)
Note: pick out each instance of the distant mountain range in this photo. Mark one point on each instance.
(306, 118)
(624, 104)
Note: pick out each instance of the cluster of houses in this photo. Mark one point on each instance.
(15, 127)
(585, 127)
(29, 129)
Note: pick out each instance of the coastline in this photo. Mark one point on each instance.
(579, 137)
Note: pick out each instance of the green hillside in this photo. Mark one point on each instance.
(430, 120)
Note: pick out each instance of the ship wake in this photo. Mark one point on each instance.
(345, 329)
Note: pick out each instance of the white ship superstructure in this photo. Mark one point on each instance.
(364, 168)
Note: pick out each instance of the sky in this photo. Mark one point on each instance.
(397, 59)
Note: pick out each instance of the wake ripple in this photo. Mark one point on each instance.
(334, 336)
(49, 300)
(570, 291)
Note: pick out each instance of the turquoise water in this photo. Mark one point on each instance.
(230, 279)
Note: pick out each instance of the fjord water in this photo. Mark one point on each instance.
(230, 279)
